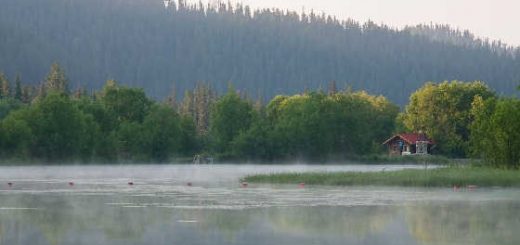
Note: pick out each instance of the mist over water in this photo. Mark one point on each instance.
(100, 207)
(229, 174)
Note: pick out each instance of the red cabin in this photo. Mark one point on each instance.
(409, 144)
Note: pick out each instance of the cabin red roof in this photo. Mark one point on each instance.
(411, 138)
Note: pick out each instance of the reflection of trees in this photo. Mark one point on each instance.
(62, 214)
(52, 223)
(227, 222)
(463, 223)
(70, 215)
(358, 221)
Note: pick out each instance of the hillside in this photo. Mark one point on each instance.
(263, 52)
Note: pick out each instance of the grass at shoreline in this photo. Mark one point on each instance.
(374, 159)
(411, 159)
(440, 177)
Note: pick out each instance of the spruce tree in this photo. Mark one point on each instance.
(56, 80)
(18, 88)
(171, 100)
(4, 87)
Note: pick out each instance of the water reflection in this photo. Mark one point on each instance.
(351, 221)
(465, 223)
(63, 219)
(161, 210)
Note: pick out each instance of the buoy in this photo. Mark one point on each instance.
(10, 184)
(245, 184)
(189, 184)
(301, 185)
(130, 183)
(71, 183)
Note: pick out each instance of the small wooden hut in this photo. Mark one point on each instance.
(409, 144)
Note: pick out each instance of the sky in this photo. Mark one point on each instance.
(493, 19)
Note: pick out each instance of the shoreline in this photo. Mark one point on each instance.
(438, 177)
(354, 160)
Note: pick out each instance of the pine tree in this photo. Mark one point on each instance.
(56, 79)
(259, 103)
(171, 100)
(333, 88)
(42, 91)
(18, 88)
(80, 92)
(203, 98)
(186, 107)
(27, 94)
(197, 104)
(4, 87)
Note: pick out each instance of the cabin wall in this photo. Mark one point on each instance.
(394, 148)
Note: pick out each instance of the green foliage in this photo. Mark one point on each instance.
(130, 141)
(189, 142)
(105, 146)
(121, 123)
(118, 123)
(231, 115)
(107, 121)
(7, 105)
(59, 127)
(443, 112)
(89, 139)
(127, 104)
(161, 133)
(318, 126)
(157, 139)
(495, 132)
(256, 143)
(15, 137)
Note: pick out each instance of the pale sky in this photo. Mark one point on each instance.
(493, 19)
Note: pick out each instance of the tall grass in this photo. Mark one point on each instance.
(439, 177)
(378, 158)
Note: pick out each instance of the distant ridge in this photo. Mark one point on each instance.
(263, 52)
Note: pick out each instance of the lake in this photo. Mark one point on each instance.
(206, 204)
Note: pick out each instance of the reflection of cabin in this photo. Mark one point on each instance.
(409, 144)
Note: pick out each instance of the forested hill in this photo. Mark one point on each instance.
(267, 52)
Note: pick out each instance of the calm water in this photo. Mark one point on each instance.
(160, 208)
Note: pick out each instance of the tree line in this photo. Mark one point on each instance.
(119, 123)
(266, 52)
(467, 120)
(50, 122)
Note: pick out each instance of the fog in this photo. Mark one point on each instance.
(100, 207)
